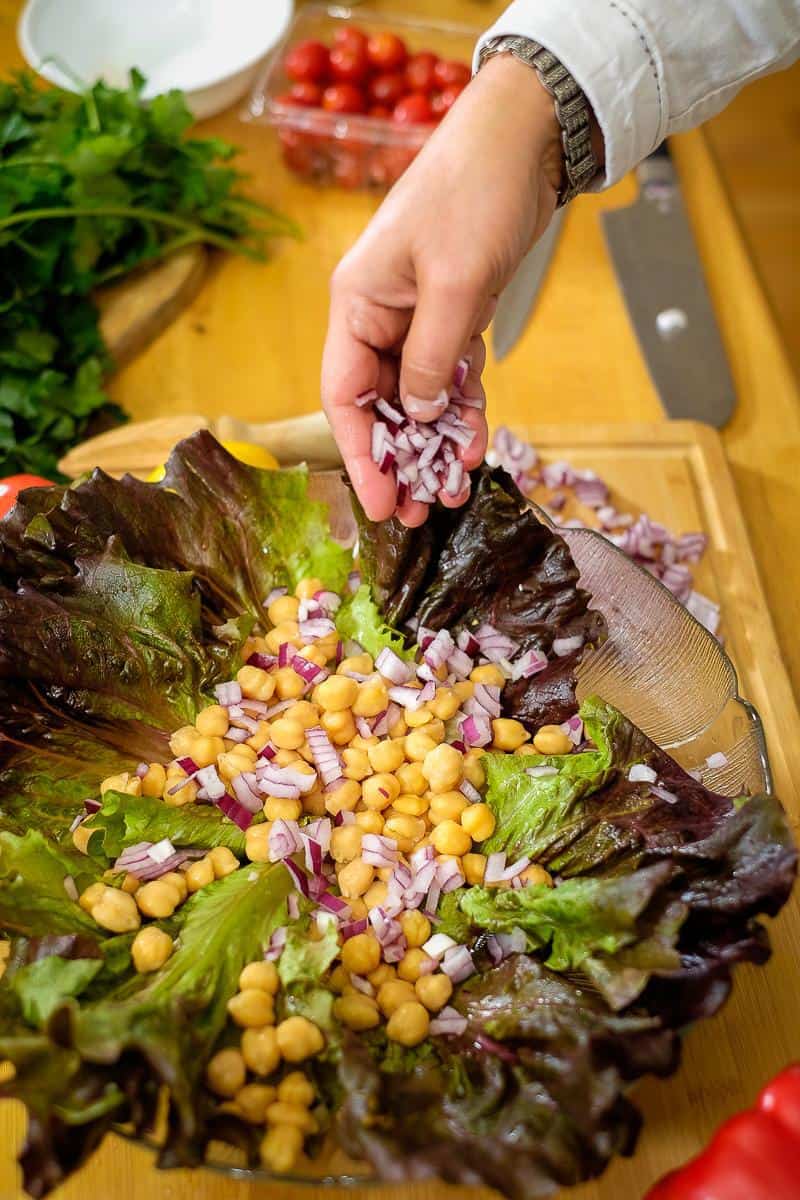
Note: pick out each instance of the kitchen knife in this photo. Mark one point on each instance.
(659, 271)
(518, 300)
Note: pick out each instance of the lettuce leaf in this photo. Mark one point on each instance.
(33, 899)
(359, 619)
(125, 820)
(44, 985)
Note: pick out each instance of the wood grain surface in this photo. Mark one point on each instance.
(249, 345)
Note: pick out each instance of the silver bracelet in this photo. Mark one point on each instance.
(571, 107)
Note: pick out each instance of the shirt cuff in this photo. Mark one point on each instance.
(611, 53)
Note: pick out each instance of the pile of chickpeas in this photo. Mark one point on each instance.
(244, 1076)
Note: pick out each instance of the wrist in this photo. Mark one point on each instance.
(531, 111)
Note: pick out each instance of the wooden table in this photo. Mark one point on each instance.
(250, 345)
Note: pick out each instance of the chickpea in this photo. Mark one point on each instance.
(115, 783)
(393, 993)
(199, 874)
(381, 974)
(361, 954)
(260, 975)
(489, 673)
(150, 949)
(354, 878)
(254, 645)
(288, 735)
(281, 1112)
(251, 1008)
(369, 821)
(345, 797)
(260, 1050)
(256, 684)
(182, 741)
(508, 735)
(361, 664)
(187, 793)
(379, 791)
(287, 758)
(299, 1038)
(417, 745)
(357, 1011)
(445, 704)
(408, 1024)
(536, 876)
(223, 860)
(361, 743)
(253, 1100)
(356, 764)
(447, 806)
(336, 693)
(411, 779)
(474, 866)
(153, 782)
(281, 808)
(206, 750)
(288, 684)
(296, 1088)
(451, 838)
(412, 964)
(314, 802)
(346, 843)
(417, 718)
(225, 1073)
(308, 587)
(287, 631)
(235, 762)
(93, 894)
(405, 830)
(416, 927)
(528, 748)
(304, 712)
(552, 740)
(259, 739)
(314, 654)
(280, 1148)
(158, 899)
(328, 645)
(339, 726)
(442, 767)
(399, 728)
(176, 880)
(433, 990)
(285, 608)
(473, 768)
(410, 805)
(339, 978)
(213, 721)
(131, 884)
(116, 911)
(376, 895)
(386, 757)
(464, 689)
(479, 821)
(256, 842)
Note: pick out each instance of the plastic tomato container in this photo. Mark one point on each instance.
(347, 150)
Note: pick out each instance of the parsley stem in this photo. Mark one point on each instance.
(203, 232)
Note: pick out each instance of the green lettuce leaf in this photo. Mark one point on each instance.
(125, 820)
(360, 620)
(44, 985)
(33, 899)
(303, 961)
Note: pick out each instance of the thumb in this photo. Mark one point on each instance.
(443, 324)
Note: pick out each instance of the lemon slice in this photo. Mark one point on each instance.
(246, 452)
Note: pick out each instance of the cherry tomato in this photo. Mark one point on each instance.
(307, 62)
(349, 64)
(348, 170)
(349, 35)
(387, 52)
(306, 94)
(11, 487)
(387, 89)
(298, 151)
(343, 98)
(442, 102)
(420, 71)
(414, 109)
(380, 111)
(446, 73)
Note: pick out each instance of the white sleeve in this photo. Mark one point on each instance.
(653, 67)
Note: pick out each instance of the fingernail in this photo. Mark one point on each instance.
(426, 410)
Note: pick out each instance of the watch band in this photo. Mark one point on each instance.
(572, 108)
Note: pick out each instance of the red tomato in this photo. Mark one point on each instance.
(307, 62)
(380, 111)
(11, 487)
(298, 151)
(348, 170)
(446, 73)
(420, 71)
(387, 89)
(414, 109)
(349, 64)
(442, 102)
(307, 95)
(348, 35)
(343, 98)
(387, 52)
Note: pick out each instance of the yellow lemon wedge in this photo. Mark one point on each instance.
(246, 452)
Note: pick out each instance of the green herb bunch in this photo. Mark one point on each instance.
(93, 185)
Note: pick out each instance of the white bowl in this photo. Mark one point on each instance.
(210, 49)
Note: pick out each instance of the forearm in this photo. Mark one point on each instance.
(651, 67)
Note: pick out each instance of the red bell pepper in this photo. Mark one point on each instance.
(753, 1156)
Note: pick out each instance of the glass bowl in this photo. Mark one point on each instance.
(659, 666)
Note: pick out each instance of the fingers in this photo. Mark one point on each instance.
(443, 323)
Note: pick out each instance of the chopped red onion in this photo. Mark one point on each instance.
(438, 944)
(495, 866)
(493, 644)
(365, 398)
(315, 628)
(274, 595)
(335, 904)
(476, 731)
(285, 654)
(663, 794)
(228, 693)
(91, 805)
(458, 964)
(142, 770)
(528, 664)
(308, 670)
(362, 985)
(276, 943)
(470, 791)
(641, 773)
(244, 789)
(487, 695)
(293, 905)
(515, 869)
(159, 852)
(704, 610)
(379, 851)
(514, 942)
(235, 811)
(352, 928)
(392, 667)
(573, 728)
(432, 903)
(324, 753)
(562, 646)
(313, 855)
(264, 662)
(542, 772)
(284, 839)
(449, 875)
(267, 751)
(448, 1023)
(299, 876)
(354, 581)
(437, 650)
(188, 765)
(716, 761)
(460, 663)
(410, 697)
(468, 643)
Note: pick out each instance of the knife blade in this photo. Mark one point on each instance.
(658, 268)
(518, 299)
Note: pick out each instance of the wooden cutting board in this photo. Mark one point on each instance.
(677, 473)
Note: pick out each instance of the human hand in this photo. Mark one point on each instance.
(419, 287)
